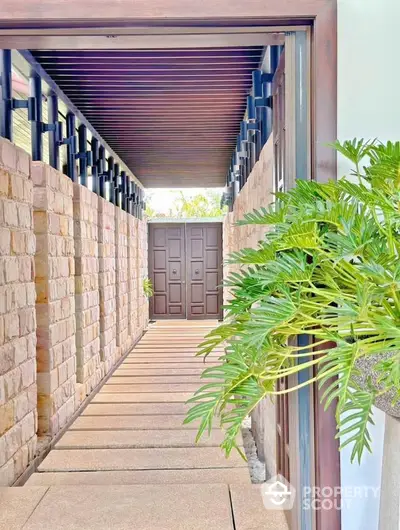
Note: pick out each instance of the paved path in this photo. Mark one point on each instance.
(129, 462)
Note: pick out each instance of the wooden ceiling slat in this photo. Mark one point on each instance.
(172, 114)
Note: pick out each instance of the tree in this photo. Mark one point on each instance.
(206, 204)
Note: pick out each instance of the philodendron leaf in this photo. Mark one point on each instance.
(327, 268)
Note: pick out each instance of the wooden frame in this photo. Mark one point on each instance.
(321, 15)
(79, 16)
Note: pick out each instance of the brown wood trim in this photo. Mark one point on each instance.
(327, 457)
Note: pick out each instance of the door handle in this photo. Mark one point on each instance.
(197, 271)
(173, 271)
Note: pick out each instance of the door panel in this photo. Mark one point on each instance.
(204, 266)
(185, 266)
(167, 270)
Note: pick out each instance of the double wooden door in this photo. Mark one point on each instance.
(185, 265)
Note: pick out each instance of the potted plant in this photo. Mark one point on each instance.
(328, 268)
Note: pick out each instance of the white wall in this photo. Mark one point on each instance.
(368, 107)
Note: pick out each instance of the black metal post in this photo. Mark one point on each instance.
(6, 129)
(134, 200)
(110, 178)
(35, 88)
(140, 196)
(54, 139)
(95, 157)
(116, 185)
(123, 191)
(101, 167)
(82, 146)
(71, 146)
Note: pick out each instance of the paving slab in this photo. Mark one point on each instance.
(122, 409)
(166, 355)
(160, 365)
(144, 397)
(114, 439)
(130, 459)
(132, 379)
(112, 387)
(193, 370)
(144, 507)
(237, 475)
(17, 505)
(249, 512)
(170, 421)
(150, 359)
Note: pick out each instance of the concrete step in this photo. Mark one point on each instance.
(130, 459)
(166, 506)
(144, 379)
(113, 387)
(123, 409)
(150, 397)
(249, 512)
(169, 365)
(133, 359)
(160, 422)
(115, 439)
(167, 380)
(142, 507)
(238, 475)
(193, 370)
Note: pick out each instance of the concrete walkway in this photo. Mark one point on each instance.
(138, 463)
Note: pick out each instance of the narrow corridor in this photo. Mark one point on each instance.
(140, 466)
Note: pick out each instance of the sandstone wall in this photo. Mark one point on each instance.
(121, 233)
(257, 192)
(18, 414)
(71, 270)
(107, 284)
(55, 300)
(87, 309)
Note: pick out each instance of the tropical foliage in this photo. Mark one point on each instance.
(328, 269)
(148, 287)
(189, 205)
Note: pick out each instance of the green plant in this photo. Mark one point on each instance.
(148, 287)
(328, 268)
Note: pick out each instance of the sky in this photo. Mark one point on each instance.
(161, 199)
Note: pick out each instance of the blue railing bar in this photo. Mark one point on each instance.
(94, 144)
(83, 162)
(101, 167)
(55, 136)
(115, 183)
(71, 146)
(65, 99)
(35, 89)
(110, 178)
(6, 95)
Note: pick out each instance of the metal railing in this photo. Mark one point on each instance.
(255, 128)
(88, 157)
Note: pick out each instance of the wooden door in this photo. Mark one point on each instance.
(204, 270)
(167, 268)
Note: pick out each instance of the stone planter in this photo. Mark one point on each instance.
(366, 366)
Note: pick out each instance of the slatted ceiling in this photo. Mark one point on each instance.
(172, 115)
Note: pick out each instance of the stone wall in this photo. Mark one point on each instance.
(257, 192)
(60, 307)
(87, 311)
(107, 284)
(55, 300)
(18, 414)
(121, 233)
